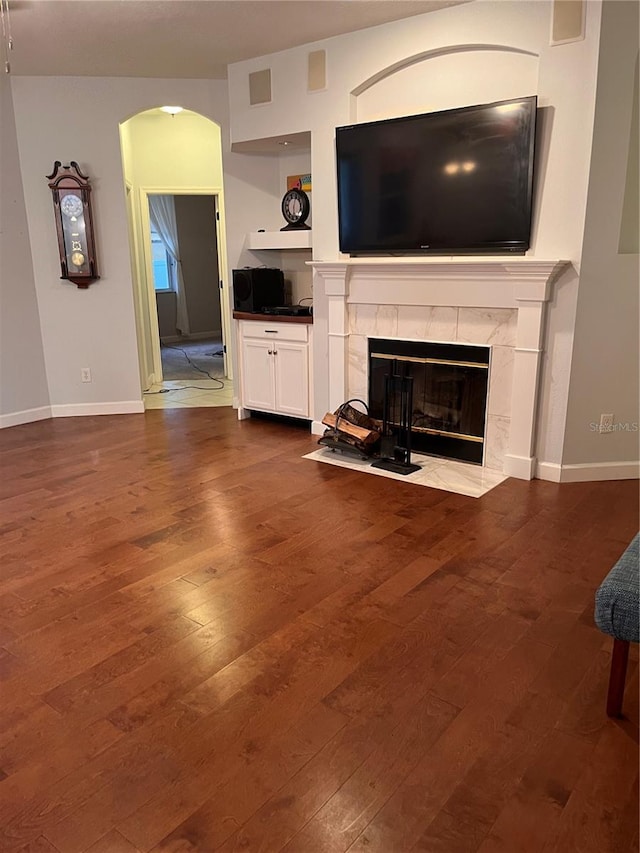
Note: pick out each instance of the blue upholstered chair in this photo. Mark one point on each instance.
(617, 612)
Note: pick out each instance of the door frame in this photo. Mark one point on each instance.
(141, 306)
(146, 286)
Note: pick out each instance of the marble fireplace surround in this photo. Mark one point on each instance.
(496, 301)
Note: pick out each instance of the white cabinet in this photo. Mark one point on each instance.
(258, 389)
(274, 367)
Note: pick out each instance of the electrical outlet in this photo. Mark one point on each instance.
(85, 374)
(606, 423)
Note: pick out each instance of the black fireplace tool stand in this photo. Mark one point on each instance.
(396, 426)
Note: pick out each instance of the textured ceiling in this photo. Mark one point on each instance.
(180, 38)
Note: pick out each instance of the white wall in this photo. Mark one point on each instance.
(604, 375)
(367, 75)
(253, 190)
(96, 328)
(462, 79)
(23, 381)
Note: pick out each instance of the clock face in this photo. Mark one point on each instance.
(294, 208)
(71, 205)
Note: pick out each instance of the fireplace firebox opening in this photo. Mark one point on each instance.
(450, 386)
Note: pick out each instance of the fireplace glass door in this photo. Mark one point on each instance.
(450, 383)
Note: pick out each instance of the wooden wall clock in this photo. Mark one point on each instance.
(74, 223)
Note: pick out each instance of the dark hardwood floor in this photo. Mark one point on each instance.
(209, 643)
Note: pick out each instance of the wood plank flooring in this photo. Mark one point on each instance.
(208, 643)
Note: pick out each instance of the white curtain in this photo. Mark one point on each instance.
(162, 212)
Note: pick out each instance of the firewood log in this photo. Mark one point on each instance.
(367, 436)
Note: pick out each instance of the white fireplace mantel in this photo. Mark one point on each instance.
(476, 283)
(518, 283)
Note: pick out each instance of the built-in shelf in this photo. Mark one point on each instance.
(279, 239)
(285, 143)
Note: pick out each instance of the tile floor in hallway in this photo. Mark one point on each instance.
(189, 393)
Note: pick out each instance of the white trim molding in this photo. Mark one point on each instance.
(72, 410)
(520, 283)
(27, 416)
(586, 472)
(470, 283)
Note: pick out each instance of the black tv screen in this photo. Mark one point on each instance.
(457, 181)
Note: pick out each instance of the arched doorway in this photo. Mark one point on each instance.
(176, 157)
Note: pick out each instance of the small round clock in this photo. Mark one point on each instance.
(295, 209)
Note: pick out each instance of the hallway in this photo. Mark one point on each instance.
(193, 372)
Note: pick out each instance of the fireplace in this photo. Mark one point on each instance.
(450, 384)
(494, 302)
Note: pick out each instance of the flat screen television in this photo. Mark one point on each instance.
(453, 182)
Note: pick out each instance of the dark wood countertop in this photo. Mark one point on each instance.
(272, 318)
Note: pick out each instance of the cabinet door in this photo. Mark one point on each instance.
(258, 380)
(292, 378)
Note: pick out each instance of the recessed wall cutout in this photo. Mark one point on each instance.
(317, 70)
(260, 87)
(568, 21)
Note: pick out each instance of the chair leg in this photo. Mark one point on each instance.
(617, 677)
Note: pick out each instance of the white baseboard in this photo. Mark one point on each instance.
(550, 471)
(520, 467)
(73, 410)
(585, 472)
(317, 428)
(27, 416)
